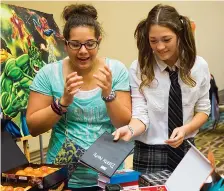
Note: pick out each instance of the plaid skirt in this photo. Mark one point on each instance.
(152, 158)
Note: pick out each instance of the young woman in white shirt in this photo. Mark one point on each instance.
(165, 44)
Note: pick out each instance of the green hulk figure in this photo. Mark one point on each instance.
(17, 75)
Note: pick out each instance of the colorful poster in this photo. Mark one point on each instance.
(29, 40)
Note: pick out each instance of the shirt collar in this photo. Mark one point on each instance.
(162, 65)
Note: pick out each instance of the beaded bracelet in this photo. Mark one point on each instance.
(110, 98)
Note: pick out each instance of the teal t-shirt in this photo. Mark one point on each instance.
(87, 119)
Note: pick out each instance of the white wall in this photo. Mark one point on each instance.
(119, 20)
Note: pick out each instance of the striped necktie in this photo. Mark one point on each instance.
(175, 118)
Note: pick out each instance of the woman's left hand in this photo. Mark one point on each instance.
(104, 80)
(177, 137)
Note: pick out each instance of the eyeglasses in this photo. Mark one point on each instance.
(76, 45)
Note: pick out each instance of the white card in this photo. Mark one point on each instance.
(191, 173)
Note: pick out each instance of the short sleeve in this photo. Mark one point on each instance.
(41, 82)
(120, 76)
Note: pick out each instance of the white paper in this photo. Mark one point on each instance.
(191, 172)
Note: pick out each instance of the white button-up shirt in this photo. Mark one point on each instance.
(151, 106)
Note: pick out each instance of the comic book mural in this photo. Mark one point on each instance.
(29, 40)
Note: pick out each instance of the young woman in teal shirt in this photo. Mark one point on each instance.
(93, 92)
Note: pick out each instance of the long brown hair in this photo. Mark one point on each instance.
(166, 16)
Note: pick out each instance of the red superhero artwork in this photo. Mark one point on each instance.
(19, 32)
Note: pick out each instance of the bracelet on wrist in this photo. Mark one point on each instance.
(57, 108)
(59, 103)
(131, 129)
(110, 97)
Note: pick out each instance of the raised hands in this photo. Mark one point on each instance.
(104, 80)
(72, 85)
(74, 82)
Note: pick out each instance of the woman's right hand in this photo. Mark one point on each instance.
(122, 133)
(72, 85)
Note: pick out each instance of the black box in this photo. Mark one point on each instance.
(16, 185)
(13, 159)
(153, 179)
(28, 186)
